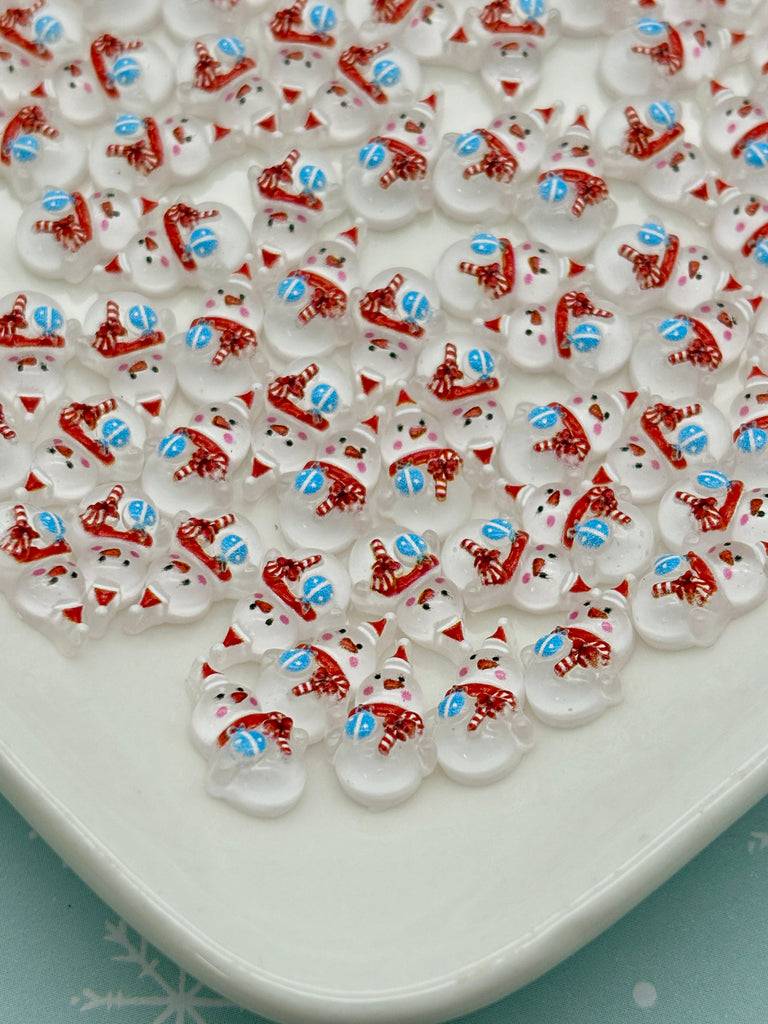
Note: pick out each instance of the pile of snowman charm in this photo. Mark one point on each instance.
(374, 415)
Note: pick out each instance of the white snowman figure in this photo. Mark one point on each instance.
(15, 456)
(475, 428)
(485, 275)
(33, 38)
(97, 440)
(134, 75)
(478, 173)
(36, 148)
(511, 69)
(280, 446)
(645, 266)
(687, 599)
(312, 682)
(561, 441)
(125, 339)
(509, 20)
(735, 131)
(141, 153)
(39, 575)
(220, 351)
(663, 440)
(193, 466)
(426, 485)
(578, 335)
(182, 245)
(384, 750)
(298, 596)
(569, 208)
(432, 616)
(396, 315)
(207, 560)
(328, 501)
(210, 66)
(708, 506)
(367, 79)
(65, 234)
(255, 757)
(495, 565)
(655, 56)
(33, 356)
(316, 395)
(425, 30)
(689, 354)
(252, 108)
(480, 729)
(644, 141)
(309, 24)
(307, 314)
(116, 536)
(293, 198)
(389, 181)
(389, 565)
(740, 233)
(572, 673)
(459, 367)
(749, 422)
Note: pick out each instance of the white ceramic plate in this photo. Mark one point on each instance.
(421, 913)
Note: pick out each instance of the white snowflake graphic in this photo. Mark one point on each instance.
(179, 1002)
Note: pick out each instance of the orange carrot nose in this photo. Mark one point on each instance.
(536, 318)
(751, 208)
(726, 556)
(333, 261)
(417, 432)
(425, 595)
(220, 422)
(57, 570)
(516, 130)
(413, 127)
(138, 367)
(693, 268)
(597, 412)
(725, 319)
(537, 566)
(486, 664)
(534, 262)
(597, 613)
(745, 109)
(393, 684)
(237, 696)
(233, 300)
(353, 453)
(178, 133)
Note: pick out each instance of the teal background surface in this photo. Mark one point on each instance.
(696, 950)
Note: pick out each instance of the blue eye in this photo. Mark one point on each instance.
(317, 590)
(543, 417)
(451, 705)
(309, 481)
(666, 564)
(549, 646)
(297, 659)
(498, 529)
(485, 244)
(467, 144)
(202, 242)
(553, 189)
(360, 724)
(234, 549)
(409, 481)
(199, 335)
(116, 433)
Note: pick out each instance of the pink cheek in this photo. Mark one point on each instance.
(696, 51)
(550, 521)
(597, 429)
(406, 695)
(727, 574)
(104, 225)
(520, 147)
(527, 577)
(253, 701)
(228, 438)
(500, 674)
(528, 278)
(397, 445)
(220, 712)
(210, 304)
(573, 615)
(682, 281)
(606, 626)
(731, 129)
(311, 260)
(463, 671)
(727, 335)
(390, 127)
(744, 520)
(740, 226)
(542, 339)
(88, 87)
(330, 449)
(342, 275)
(421, 140)
(361, 467)
(354, 662)
(202, 581)
(432, 435)
(357, 102)
(410, 602)
(199, 418)
(284, 619)
(301, 435)
(85, 462)
(368, 690)
(590, 162)
(743, 410)
(556, 157)
(244, 312)
(164, 261)
(655, 464)
(176, 150)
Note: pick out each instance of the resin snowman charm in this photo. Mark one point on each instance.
(209, 66)
(312, 682)
(570, 207)
(709, 506)
(748, 457)
(298, 596)
(307, 313)
(36, 148)
(735, 131)
(496, 564)
(687, 599)
(207, 560)
(478, 173)
(193, 466)
(572, 673)
(255, 757)
(562, 440)
(480, 729)
(389, 182)
(664, 439)
(384, 750)
(33, 39)
(388, 565)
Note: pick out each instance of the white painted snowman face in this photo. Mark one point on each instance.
(741, 222)
(355, 451)
(414, 125)
(51, 593)
(300, 69)
(525, 134)
(669, 176)
(334, 261)
(65, 471)
(114, 565)
(729, 119)
(427, 28)
(476, 425)
(227, 425)
(282, 444)
(752, 402)
(605, 614)
(251, 105)
(545, 511)
(220, 704)
(78, 92)
(602, 416)
(283, 229)
(697, 275)
(185, 588)
(116, 217)
(492, 665)
(146, 381)
(511, 69)
(410, 431)
(739, 569)
(31, 380)
(422, 616)
(380, 358)
(346, 116)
